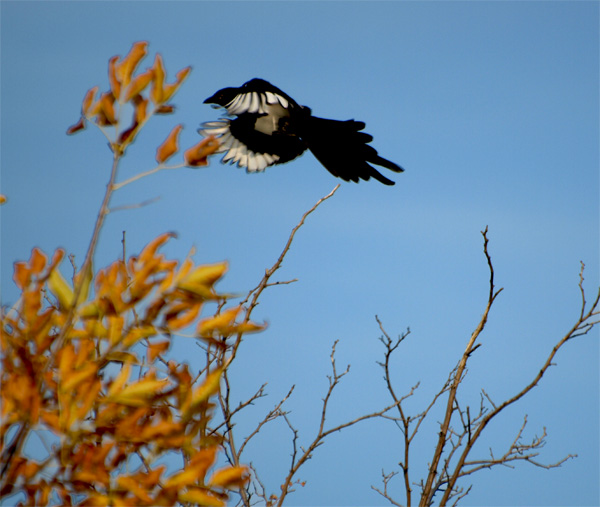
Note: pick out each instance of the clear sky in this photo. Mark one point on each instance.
(492, 109)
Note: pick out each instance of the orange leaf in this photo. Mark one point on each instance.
(115, 83)
(157, 348)
(209, 387)
(141, 109)
(170, 89)
(150, 249)
(67, 358)
(156, 93)
(115, 329)
(230, 477)
(137, 333)
(170, 146)
(126, 68)
(119, 382)
(221, 323)
(137, 394)
(127, 134)
(195, 470)
(184, 315)
(184, 478)
(138, 84)
(132, 485)
(249, 327)
(183, 74)
(204, 459)
(88, 99)
(76, 127)
(164, 109)
(152, 477)
(197, 155)
(37, 261)
(205, 276)
(21, 275)
(59, 253)
(73, 380)
(200, 496)
(104, 110)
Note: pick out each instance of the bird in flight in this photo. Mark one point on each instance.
(265, 126)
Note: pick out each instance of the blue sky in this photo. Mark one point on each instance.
(492, 109)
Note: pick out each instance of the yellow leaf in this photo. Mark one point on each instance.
(115, 84)
(73, 380)
(158, 79)
(157, 348)
(201, 279)
(137, 394)
(60, 288)
(87, 280)
(138, 333)
(186, 477)
(89, 311)
(119, 382)
(209, 387)
(130, 484)
(115, 329)
(249, 327)
(88, 100)
(220, 323)
(199, 496)
(230, 477)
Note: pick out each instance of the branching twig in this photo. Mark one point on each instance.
(428, 491)
(298, 461)
(232, 451)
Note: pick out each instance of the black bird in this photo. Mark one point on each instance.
(272, 128)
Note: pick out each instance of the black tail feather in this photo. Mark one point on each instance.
(344, 150)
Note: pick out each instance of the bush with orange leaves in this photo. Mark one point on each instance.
(84, 365)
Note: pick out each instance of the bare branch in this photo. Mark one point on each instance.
(428, 490)
(271, 416)
(386, 478)
(299, 459)
(585, 322)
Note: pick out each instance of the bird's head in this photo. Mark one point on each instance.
(222, 97)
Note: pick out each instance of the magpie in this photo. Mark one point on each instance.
(265, 126)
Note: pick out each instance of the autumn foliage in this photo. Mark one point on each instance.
(105, 396)
(94, 412)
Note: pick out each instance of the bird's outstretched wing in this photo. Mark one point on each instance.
(344, 151)
(255, 96)
(261, 134)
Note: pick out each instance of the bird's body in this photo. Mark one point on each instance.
(269, 127)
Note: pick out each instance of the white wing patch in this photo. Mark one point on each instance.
(235, 151)
(254, 102)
